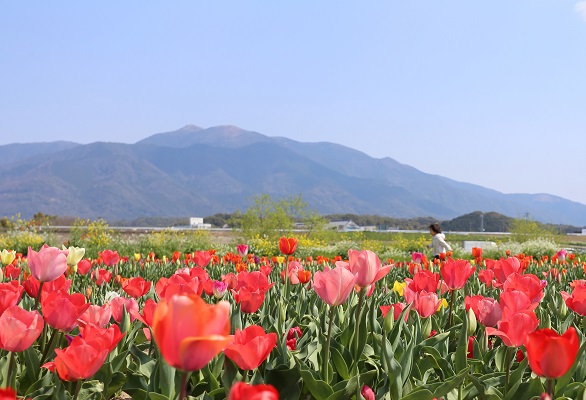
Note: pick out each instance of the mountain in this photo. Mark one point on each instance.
(197, 172)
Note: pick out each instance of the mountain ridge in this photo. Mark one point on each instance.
(203, 171)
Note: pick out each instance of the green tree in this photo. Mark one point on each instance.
(270, 218)
(524, 229)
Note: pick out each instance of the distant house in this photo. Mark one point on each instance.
(344, 226)
(197, 223)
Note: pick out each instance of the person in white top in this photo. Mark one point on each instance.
(438, 240)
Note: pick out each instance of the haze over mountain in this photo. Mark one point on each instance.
(198, 172)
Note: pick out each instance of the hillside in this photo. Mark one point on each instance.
(197, 172)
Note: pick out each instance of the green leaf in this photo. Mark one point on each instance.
(317, 387)
(462, 349)
(286, 380)
(563, 381)
(516, 379)
(157, 396)
(91, 390)
(339, 363)
(346, 389)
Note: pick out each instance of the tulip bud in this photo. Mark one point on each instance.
(88, 292)
(1, 275)
(471, 322)
(389, 321)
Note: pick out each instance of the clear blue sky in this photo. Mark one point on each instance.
(487, 92)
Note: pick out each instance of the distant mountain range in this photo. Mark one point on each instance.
(198, 172)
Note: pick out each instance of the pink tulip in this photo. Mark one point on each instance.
(577, 300)
(242, 250)
(427, 304)
(489, 312)
(334, 286)
(504, 268)
(366, 266)
(19, 328)
(48, 264)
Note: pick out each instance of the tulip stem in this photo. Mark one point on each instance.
(550, 388)
(450, 316)
(77, 389)
(508, 360)
(11, 378)
(183, 392)
(326, 359)
(38, 298)
(47, 348)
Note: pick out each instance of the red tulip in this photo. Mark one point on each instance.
(136, 287)
(84, 266)
(552, 355)
(102, 276)
(423, 280)
(397, 310)
(48, 264)
(366, 266)
(107, 337)
(31, 286)
(486, 276)
(526, 283)
(81, 360)
(513, 329)
(577, 300)
(10, 294)
(250, 347)
(513, 301)
(109, 257)
(456, 273)
(202, 258)
(178, 284)
(189, 332)
(287, 246)
(7, 394)
(61, 309)
(250, 290)
(19, 328)
(334, 286)
(244, 391)
(504, 268)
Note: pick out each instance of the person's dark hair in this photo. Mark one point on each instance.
(435, 227)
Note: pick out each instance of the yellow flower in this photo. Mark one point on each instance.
(137, 256)
(399, 287)
(74, 255)
(7, 256)
(444, 304)
(280, 259)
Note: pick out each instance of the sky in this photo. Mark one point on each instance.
(486, 92)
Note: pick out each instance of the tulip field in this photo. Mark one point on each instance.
(214, 325)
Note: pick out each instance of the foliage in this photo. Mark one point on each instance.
(21, 234)
(270, 218)
(523, 229)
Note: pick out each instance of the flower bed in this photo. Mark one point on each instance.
(237, 325)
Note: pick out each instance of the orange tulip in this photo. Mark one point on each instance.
(287, 246)
(189, 332)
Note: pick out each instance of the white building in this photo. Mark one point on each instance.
(197, 223)
(344, 226)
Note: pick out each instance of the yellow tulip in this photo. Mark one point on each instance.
(74, 255)
(7, 256)
(399, 287)
(137, 256)
(443, 303)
